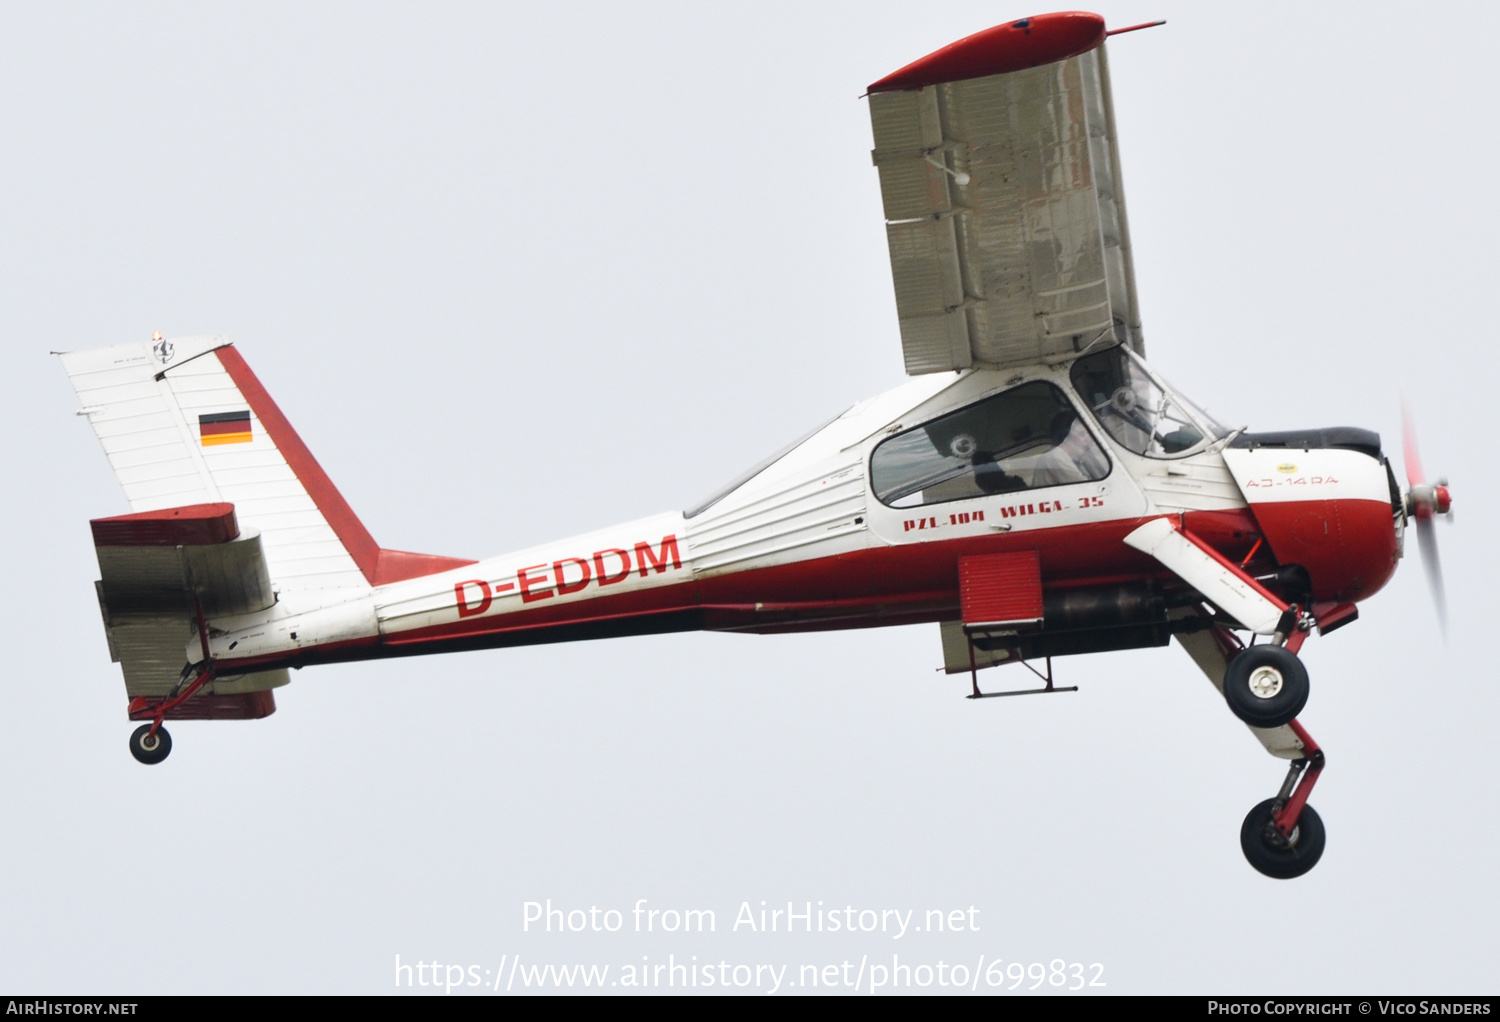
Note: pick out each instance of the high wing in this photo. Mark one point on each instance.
(1001, 184)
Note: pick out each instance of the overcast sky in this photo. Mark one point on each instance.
(519, 271)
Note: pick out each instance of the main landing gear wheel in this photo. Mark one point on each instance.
(1277, 856)
(1266, 686)
(153, 749)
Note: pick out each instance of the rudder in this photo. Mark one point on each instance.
(185, 421)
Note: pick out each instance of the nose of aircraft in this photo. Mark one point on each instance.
(1326, 501)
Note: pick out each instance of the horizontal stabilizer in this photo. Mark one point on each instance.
(219, 706)
(159, 570)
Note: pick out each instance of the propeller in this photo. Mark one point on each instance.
(1424, 501)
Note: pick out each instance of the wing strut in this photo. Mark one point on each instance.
(1220, 581)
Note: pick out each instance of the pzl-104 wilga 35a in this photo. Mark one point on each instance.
(1035, 490)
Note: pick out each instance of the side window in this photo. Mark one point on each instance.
(1023, 439)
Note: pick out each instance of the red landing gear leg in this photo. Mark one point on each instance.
(150, 743)
(1283, 837)
(1299, 628)
(1292, 799)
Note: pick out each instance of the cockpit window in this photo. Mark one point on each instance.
(1022, 439)
(1138, 409)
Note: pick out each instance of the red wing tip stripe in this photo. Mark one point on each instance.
(1013, 46)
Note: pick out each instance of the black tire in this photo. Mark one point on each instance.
(1258, 669)
(159, 746)
(1272, 857)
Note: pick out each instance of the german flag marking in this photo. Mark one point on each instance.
(224, 428)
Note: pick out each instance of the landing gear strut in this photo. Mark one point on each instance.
(1266, 686)
(150, 743)
(1283, 837)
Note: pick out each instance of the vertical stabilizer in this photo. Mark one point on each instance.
(184, 421)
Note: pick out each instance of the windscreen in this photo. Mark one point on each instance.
(1138, 409)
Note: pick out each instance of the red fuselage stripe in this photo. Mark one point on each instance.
(336, 510)
(907, 583)
(378, 566)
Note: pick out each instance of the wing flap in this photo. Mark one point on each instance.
(930, 295)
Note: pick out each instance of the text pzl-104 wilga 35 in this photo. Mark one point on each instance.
(1035, 489)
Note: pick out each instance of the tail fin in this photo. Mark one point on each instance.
(185, 421)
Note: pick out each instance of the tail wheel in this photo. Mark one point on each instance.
(1266, 686)
(1277, 856)
(148, 748)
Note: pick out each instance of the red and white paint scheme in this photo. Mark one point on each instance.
(1035, 490)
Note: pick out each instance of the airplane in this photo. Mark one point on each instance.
(1035, 489)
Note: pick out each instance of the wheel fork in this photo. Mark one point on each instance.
(1300, 778)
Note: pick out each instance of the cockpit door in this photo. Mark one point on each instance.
(1024, 458)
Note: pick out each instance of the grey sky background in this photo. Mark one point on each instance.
(518, 271)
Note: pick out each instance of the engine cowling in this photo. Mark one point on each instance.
(1323, 501)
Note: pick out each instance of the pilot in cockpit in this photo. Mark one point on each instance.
(1074, 456)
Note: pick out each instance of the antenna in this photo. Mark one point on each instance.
(1136, 28)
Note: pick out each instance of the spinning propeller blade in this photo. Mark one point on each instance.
(1409, 451)
(1427, 540)
(1423, 503)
